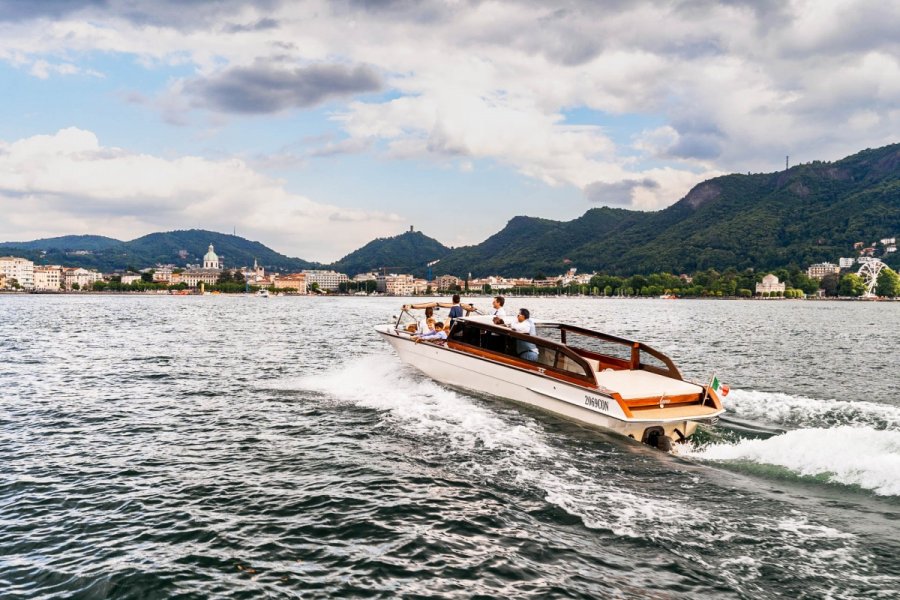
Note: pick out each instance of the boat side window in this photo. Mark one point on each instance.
(546, 356)
(560, 361)
(564, 362)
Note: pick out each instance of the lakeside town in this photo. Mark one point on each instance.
(864, 275)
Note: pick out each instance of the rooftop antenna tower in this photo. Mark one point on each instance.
(786, 162)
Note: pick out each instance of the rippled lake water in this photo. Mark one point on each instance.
(240, 447)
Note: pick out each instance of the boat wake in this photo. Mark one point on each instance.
(847, 443)
(499, 442)
(629, 491)
(799, 411)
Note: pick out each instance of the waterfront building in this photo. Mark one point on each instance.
(446, 282)
(769, 285)
(255, 275)
(327, 280)
(211, 260)
(546, 283)
(129, 278)
(820, 270)
(846, 263)
(208, 274)
(361, 277)
(296, 281)
(48, 278)
(20, 269)
(194, 277)
(82, 277)
(396, 285)
(163, 273)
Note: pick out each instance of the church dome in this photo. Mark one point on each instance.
(211, 259)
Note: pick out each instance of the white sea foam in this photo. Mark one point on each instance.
(624, 512)
(425, 408)
(800, 411)
(863, 456)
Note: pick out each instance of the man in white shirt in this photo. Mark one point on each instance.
(498, 310)
(524, 324)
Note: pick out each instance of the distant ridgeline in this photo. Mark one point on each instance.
(810, 213)
(174, 247)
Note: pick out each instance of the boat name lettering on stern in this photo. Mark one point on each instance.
(598, 403)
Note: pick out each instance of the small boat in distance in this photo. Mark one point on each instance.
(580, 374)
(263, 293)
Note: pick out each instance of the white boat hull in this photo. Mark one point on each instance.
(573, 402)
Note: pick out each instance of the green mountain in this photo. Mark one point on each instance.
(175, 247)
(810, 213)
(405, 253)
(180, 247)
(67, 243)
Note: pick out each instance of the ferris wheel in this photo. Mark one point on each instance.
(869, 273)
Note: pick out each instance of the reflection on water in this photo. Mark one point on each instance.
(239, 447)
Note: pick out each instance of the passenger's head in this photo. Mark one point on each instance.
(429, 312)
(455, 298)
(439, 326)
(499, 301)
(524, 314)
(430, 323)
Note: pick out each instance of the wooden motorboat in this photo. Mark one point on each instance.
(580, 374)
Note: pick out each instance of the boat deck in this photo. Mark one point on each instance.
(638, 384)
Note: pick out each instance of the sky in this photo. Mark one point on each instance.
(315, 127)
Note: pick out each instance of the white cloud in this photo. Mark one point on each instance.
(69, 183)
(736, 85)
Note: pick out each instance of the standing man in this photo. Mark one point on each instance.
(524, 324)
(456, 311)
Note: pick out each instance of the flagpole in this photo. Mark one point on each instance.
(706, 389)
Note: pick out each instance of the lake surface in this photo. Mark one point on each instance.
(240, 447)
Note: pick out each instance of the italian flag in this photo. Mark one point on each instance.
(718, 387)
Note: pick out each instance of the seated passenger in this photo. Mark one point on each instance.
(498, 312)
(422, 327)
(438, 335)
(419, 327)
(524, 324)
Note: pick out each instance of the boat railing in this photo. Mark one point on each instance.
(634, 354)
